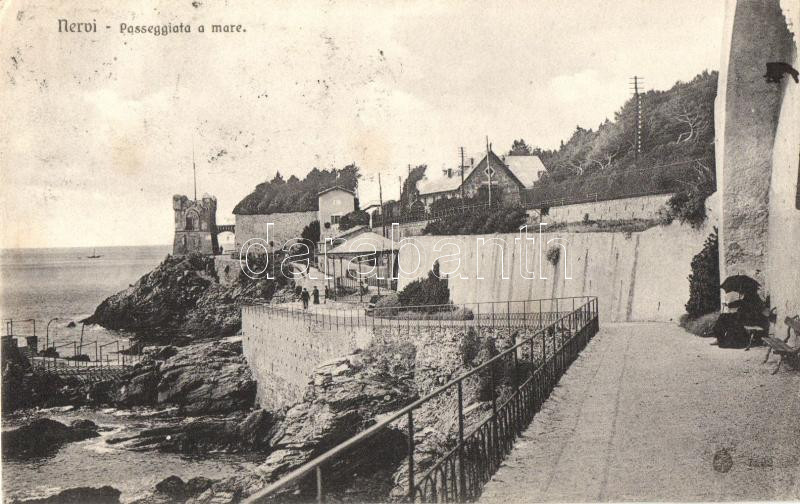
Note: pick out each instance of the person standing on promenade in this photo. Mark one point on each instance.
(315, 293)
(304, 296)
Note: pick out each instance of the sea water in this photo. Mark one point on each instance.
(42, 284)
(65, 283)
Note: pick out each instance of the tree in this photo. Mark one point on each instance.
(310, 236)
(409, 191)
(426, 294)
(678, 131)
(311, 232)
(704, 279)
(295, 195)
(353, 219)
(520, 148)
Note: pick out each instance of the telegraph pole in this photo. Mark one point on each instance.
(637, 111)
(489, 170)
(380, 197)
(194, 172)
(461, 169)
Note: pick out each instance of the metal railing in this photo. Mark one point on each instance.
(518, 379)
(49, 356)
(527, 314)
(427, 215)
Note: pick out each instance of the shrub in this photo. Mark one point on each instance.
(553, 255)
(689, 207)
(488, 349)
(469, 347)
(497, 219)
(387, 305)
(704, 279)
(311, 232)
(353, 219)
(426, 292)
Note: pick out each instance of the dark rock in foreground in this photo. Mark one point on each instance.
(80, 495)
(210, 378)
(44, 436)
(236, 433)
(202, 379)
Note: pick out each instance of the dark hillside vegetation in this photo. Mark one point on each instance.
(677, 151)
(295, 195)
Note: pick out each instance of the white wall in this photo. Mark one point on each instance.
(783, 258)
(636, 276)
(286, 226)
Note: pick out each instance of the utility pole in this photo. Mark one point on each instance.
(637, 111)
(489, 170)
(380, 196)
(194, 173)
(461, 169)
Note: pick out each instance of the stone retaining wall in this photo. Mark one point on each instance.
(283, 351)
(642, 207)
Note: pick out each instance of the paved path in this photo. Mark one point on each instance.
(640, 416)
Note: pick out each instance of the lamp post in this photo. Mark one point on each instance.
(47, 333)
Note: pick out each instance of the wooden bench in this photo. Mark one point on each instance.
(781, 347)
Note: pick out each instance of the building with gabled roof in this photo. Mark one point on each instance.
(508, 176)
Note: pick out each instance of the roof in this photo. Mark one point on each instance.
(438, 184)
(363, 244)
(334, 188)
(494, 161)
(525, 168)
(351, 231)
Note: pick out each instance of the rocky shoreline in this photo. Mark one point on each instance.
(182, 300)
(206, 391)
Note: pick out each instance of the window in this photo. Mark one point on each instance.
(192, 221)
(335, 219)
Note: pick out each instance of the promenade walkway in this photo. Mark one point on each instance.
(641, 415)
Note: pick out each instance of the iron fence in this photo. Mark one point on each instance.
(49, 357)
(520, 378)
(528, 314)
(421, 216)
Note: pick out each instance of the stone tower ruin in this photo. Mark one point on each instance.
(195, 225)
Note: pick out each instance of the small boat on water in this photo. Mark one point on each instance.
(94, 255)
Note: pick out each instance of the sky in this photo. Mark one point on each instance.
(99, 129)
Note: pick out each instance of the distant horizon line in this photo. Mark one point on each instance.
(87, 247)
